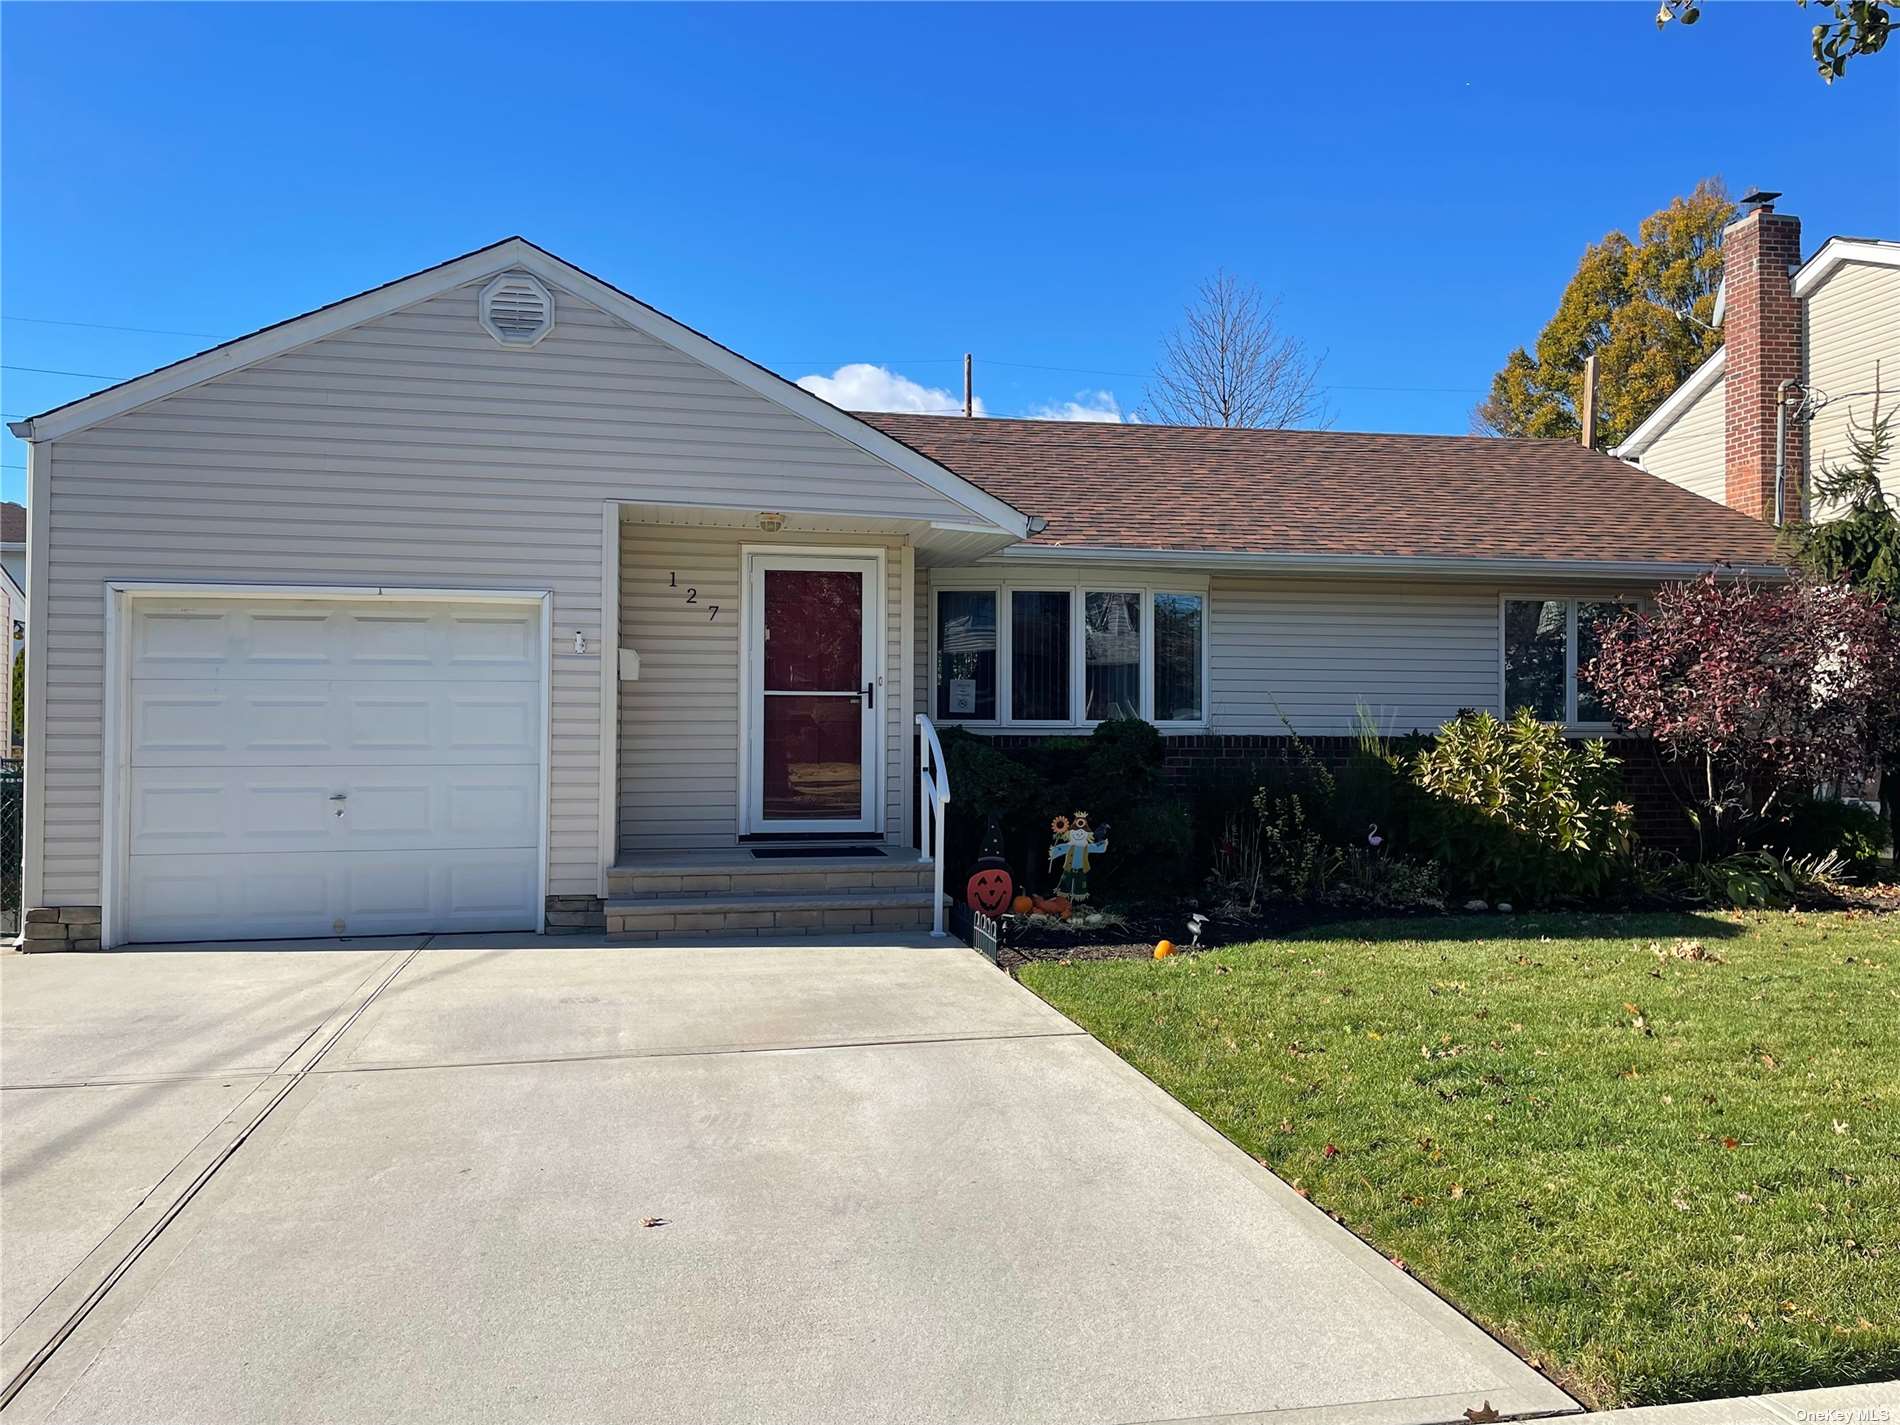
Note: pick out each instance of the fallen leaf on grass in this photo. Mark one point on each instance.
(1457, 1190)
(1731, 1143)
(1330, 1151)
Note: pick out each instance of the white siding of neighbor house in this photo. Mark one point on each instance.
(1691, 453)
(1852, 323)
(679, 723)
(412, 451)
(1309, 652)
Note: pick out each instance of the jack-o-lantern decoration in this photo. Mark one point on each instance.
(990, 888)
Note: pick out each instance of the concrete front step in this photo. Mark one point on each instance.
(814, 912)
(649, 881)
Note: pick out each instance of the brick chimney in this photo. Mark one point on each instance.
(1761, 331)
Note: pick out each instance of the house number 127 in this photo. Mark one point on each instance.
(692, 594)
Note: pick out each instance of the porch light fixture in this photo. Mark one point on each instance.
(771, 523)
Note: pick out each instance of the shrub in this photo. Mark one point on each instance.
(1811, 826)
(1754, 691)
(1514, 811)
(1296, 860)
(1115, 775)
(1366, 877)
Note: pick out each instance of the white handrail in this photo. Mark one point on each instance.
(933, 778)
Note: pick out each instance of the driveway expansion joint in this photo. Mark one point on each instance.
(197, 1184)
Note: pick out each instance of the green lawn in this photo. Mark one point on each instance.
(1659, 1154)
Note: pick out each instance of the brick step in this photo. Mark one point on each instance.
(671, 882)
(749, 913)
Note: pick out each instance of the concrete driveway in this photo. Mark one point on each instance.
(489, 1178)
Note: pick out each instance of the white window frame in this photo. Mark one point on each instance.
(1572, 601)
(1078, 589)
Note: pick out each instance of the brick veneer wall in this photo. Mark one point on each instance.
(1660, 821)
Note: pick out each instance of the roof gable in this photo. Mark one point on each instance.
(518, 254)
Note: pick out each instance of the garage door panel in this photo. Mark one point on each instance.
(321, 640)
(304, 767)
(204, 722)
(349, 893)
(243, 810)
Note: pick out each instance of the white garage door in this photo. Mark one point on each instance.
(326, 768)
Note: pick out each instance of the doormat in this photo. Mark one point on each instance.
(795, 853)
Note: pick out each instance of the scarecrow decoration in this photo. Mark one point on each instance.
(1074, 844)
(990, 887)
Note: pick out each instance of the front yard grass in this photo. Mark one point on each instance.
(1658, 1154)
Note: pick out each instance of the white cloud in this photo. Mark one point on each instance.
(861, 386)
(1086, 406)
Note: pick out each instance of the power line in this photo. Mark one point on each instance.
(50, 371)
(105, 326)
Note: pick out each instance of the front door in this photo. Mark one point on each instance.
(814, 680)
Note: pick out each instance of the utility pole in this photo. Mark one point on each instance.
(1587, 407)
(969, 388)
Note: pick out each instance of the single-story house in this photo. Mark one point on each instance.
(1819, 338)
(493, 598)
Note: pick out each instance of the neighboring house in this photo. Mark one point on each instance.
(1822, 334)
(12, 614)
(493, 597)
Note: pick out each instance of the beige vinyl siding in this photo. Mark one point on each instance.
(1692, 453)
(413, 451)
(679, 723)
(1852, 323)
(1312, 651)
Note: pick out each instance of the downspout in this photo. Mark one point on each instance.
(1781, 446)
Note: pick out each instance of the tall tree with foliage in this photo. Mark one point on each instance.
(1854, 28)
(1644, 309)
(1859, 544)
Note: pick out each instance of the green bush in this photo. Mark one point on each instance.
(1816, 826)
(1115, 775)
(1515, 811)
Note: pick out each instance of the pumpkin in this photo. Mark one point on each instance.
(1054, 905)
(1022, 905)
(1164, 949)
(989, 888)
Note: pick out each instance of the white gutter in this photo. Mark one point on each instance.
(1391, 565)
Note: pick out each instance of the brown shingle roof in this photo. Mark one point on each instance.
(1331, 492)
(12, 523)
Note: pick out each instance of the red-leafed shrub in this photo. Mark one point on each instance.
(1752, 690)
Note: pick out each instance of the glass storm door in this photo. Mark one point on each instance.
(814, 679)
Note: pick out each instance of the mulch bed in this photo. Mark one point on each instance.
(1135, 937)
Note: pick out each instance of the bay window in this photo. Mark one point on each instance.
(1037, 653)
(1545, 642)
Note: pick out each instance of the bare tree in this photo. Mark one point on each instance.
(1229, 364)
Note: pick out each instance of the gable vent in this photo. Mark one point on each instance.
(517, 310)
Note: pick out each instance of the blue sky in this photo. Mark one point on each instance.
(819, 186)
